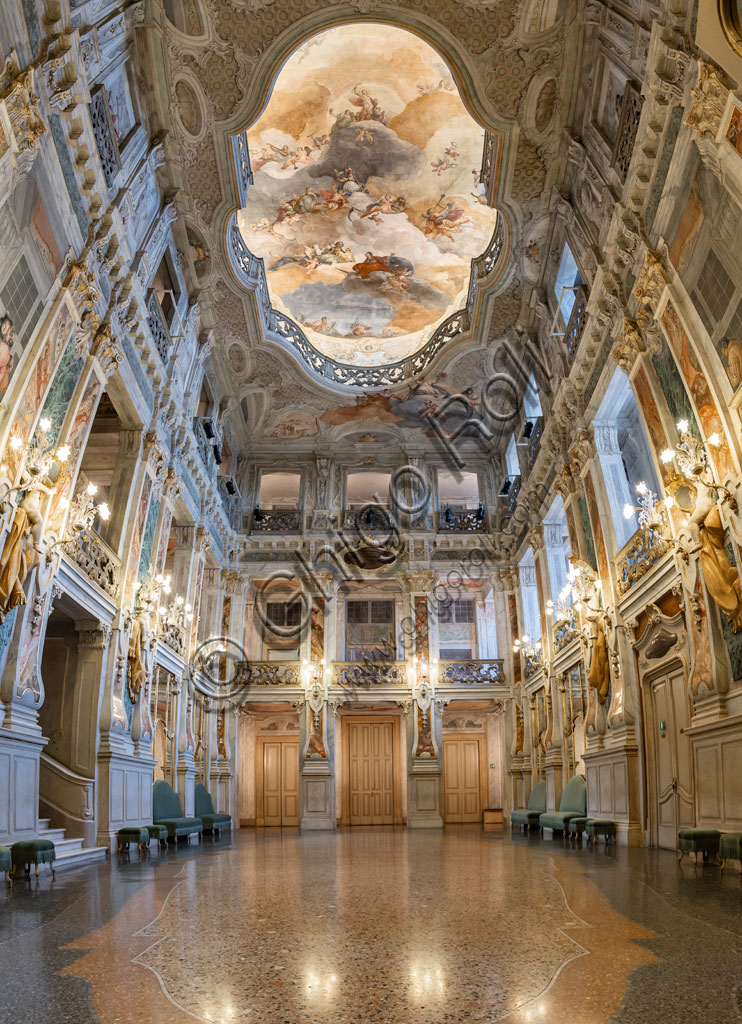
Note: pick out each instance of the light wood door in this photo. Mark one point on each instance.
(673, 767)
(279, 781)
(371, 773)
(462, 779)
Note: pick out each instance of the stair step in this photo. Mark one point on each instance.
(44, 824)
(61, 845)
(73, 858)
(55, 834)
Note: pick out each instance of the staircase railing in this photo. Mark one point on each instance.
(68, 799)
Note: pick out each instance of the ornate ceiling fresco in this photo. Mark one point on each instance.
(364, 203)
(280, 67)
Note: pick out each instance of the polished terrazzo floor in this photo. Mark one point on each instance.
(376, 925)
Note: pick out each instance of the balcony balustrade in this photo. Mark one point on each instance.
(637, 557)
(276, 520)
(477, 672)
(99, 562)
(509, 492)
(368, 519)
(566, 630)
(268, 673)
(363, 674)
(460, 519)
(534, 440)
(158, 328)
(577, 321)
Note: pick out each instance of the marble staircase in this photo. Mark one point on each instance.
(70, 852)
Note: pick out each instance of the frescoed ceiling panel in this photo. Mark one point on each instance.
(364, 204)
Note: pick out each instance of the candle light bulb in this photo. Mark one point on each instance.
(667, 455)
(45, 423)
(15, 442)
(91, 489)
(683, 426)
(104, 512)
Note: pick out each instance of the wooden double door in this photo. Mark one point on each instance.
(371, 771)
(277, 782)
(464, 778)
(671, 769)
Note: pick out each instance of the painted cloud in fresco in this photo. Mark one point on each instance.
(363, 206)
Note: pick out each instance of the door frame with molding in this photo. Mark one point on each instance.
(260, 742)
(345, 722)
(461, 734)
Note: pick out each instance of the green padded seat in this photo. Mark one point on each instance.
(601, 827)
(204, 808)
(536, 806)
(698, 840)
(572, 805)
(166, 810)
(158, 832)
(6, 861)
(33, 851)
(138, 834)
(577, 826)
(730, 848)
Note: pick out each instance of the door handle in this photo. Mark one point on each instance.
(674, 785)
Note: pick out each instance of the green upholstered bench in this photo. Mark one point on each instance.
(158, 832)
(6, 862)
(138, 834)
(166, 810)
(730, 848)
(204, 808)
(33, 851)
(572, 805)
(600, 827)
(576, 827)
(529, 815)
(698, 840)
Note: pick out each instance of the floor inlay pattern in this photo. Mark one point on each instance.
(366, 925)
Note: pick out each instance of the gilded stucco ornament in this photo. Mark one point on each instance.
(708, 100)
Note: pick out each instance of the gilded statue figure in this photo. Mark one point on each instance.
(704, 533)
(589, 588)
(17, 559)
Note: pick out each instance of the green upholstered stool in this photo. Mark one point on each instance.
(600, 827)
(577, 827)
(138, 834)
(698, 840)
(158, 832)
(730, 848)
(33, 851)
(6, 862)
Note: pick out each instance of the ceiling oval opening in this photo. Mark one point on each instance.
(366, 203)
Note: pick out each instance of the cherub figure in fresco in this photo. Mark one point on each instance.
(385, 264)
(364, 135)
(444, 218)
(333, 198)
(447, 161)
(358, 330)
(7, 336)
(318, 141)
(387, 204)
(731, 349)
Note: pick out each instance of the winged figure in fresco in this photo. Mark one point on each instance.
(447, 161)
(444, 218)
(387, 204)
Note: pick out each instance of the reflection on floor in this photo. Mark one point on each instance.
(376, 925)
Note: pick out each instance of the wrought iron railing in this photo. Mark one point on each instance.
(268, 673)
(566, 630)
(99, 562)
(461, 520)
(509, 491)
(363, 674)
(478, 672)
(577, 321)
(534, 663)
(368, 519)
(534, 440)
(158, 328)
(637, 557)
(100, 120)
(276, 520)
(203, 444)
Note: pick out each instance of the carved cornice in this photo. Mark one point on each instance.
(708, 99)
